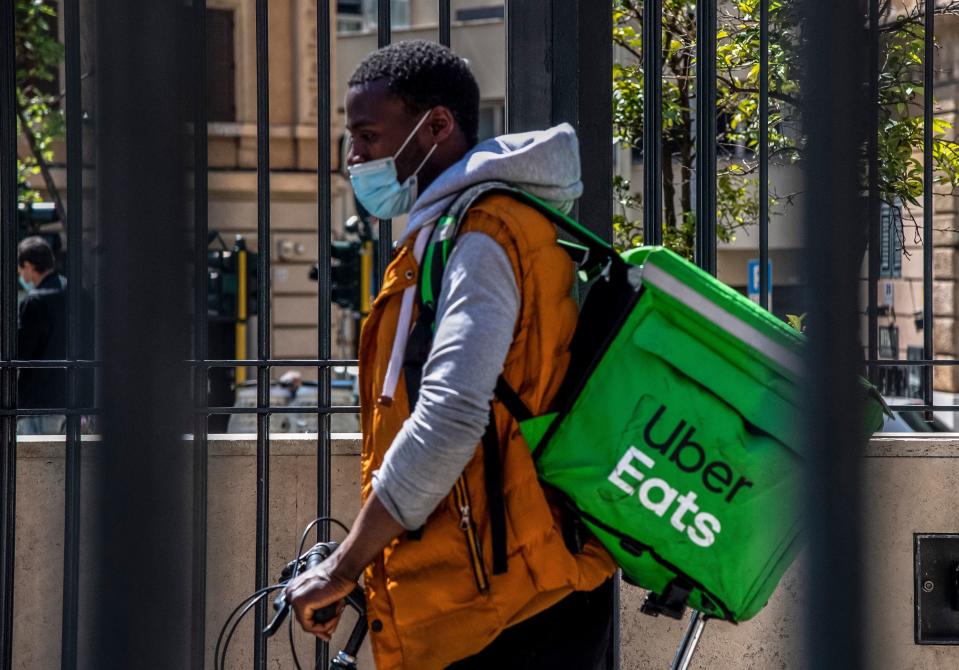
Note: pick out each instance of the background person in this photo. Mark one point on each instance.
(41, 335)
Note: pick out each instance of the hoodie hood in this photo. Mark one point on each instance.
(544, 163)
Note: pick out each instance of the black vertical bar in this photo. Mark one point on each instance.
(324, 235)
(200, 335)
(445, 38)
(529, 94)
(582, 93)
(834, 114)
(8, 323)
(385, 234)
(764, 153)
(573, 41)
(581, 82)
(875, 207)
(141, 476)
(262, 323)
(927, 203)
(706, 135)
(74, 224)
(652, 122)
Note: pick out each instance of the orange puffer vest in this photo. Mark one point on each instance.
(434, 600)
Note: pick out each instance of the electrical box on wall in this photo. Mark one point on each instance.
(936, 561)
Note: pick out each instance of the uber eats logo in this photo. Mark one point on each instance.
(638, 473)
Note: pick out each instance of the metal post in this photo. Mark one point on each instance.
(444, 27)
(263, 247)
(573, 84)
(764, 153)
(706, 135)
(8, 324)
(875, 209)
(200, 336)
(835, 71)
(385, 233)
(529, 99)
(652, 122)
(324, 230)
(589, 68)
(74, 224)
(141, 470)
(928, 206)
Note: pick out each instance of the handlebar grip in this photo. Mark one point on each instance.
(324, 614)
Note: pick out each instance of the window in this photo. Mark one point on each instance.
(400, 14)
(485, 13)
(349, 16)
(889, 342)
(490, 120)
(349, 6)
(890, 244)
(914, 373)
(893, 380)
(355, 16)
(220, 66)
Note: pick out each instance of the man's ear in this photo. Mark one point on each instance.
(442, 124)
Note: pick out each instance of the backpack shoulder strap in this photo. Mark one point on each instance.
(592, 250)
(589, 251)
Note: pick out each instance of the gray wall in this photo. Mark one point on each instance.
(911, 488)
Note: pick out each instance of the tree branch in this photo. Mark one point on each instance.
(916, 15)
(48, 181)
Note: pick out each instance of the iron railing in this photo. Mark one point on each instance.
(591, 17)
(535, 97)
(928, 362)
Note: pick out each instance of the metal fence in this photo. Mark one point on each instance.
(572, 39)
(928, 360)
(118, 27)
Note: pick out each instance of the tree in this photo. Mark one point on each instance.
(39, 116)
(737, 102)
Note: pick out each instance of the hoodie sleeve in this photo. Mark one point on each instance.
(476, 315)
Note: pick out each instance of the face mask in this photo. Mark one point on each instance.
(27, 285)
(377, 187)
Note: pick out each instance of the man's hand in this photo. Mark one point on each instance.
(333, 579)
(314, 589)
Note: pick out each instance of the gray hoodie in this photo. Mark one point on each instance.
(476, 314)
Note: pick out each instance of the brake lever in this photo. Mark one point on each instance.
(282, 610)
(316, 555)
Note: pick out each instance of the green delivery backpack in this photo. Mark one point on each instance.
(674, 436)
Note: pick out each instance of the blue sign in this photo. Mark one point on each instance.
(752, 279)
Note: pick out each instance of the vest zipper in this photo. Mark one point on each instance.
(462, 498)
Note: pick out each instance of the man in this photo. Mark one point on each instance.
(437, 596)
(41, 335)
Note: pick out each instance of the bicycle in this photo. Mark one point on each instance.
(345, 659)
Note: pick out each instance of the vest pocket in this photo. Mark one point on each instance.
(461, 497)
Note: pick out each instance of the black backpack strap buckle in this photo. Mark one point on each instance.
(672, 601)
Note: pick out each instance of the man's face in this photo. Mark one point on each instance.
(28, 272)
(378, 124)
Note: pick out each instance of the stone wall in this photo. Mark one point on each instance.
(911, 484)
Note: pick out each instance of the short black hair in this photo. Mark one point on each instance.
(423, 75)
(35, 250)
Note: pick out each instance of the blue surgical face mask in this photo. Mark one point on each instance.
(27, 285)
(377, 187)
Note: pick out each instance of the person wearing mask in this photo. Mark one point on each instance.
(41, 335)
(438, 595)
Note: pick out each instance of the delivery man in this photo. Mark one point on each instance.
(437, 596)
